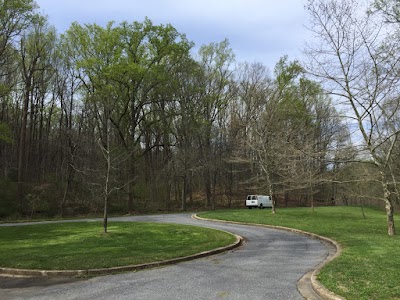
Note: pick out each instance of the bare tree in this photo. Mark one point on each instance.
(357, 58)
(251, 119)
(389, 8)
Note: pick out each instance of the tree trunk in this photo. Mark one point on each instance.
(105, 215)
(390, 218)
(184, 194)
(273, 210)
(389, 206)
(22, 147)
(130, 202)
(107, 156)
(207, 186)
(312, 200)
(105, 219)
(66, 189)
(131, 174)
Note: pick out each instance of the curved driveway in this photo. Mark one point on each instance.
(268, 266)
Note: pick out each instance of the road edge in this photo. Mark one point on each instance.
(309, 280)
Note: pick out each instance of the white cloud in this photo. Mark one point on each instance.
(256, 29)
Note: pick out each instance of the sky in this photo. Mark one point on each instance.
(258, 30)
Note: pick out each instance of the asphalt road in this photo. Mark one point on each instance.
(267, 266)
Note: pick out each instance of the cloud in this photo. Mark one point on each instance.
(255, 28)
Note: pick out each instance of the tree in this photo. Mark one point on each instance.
(15, 16)
(187, 121)
(215, 60)
(288, 126)
(126, 74)
(261, 125)
(35, 49)
(66, 86)
(98, 51)
(389, 8)
(264, 122)
(357, 57)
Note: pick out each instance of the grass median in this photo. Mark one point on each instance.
(369, 266)
(82, 245)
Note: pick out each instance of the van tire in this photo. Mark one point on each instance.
(261, 206)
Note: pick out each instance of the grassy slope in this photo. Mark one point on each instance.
(369, 267)
(83, 245)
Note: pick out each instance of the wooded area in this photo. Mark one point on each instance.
(130, 117)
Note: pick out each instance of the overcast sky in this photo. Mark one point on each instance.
(258, 30)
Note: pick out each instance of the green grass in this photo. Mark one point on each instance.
(369, 266)
(66, 246)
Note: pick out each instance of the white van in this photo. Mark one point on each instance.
(259, 201)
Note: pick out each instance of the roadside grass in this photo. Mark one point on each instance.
(83, 245)
(369, 266)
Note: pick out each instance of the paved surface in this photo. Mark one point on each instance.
(268, 266)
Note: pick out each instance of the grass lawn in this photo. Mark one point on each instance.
(65, 246)
(369, 266)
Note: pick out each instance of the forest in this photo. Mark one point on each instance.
(134, 117)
